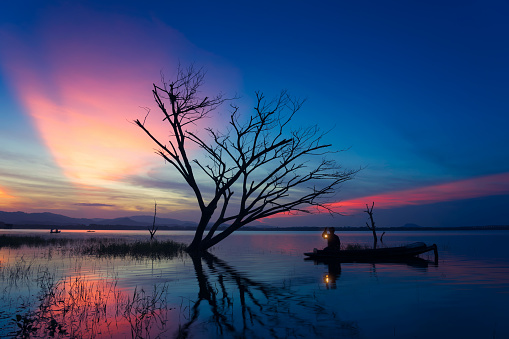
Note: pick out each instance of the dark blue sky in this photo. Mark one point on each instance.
(417, 90)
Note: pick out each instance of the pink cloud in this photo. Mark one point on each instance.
(497, 184)
(85, 83)
(81, 78)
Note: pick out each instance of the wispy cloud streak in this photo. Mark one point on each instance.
(497, 184)
(94, 204)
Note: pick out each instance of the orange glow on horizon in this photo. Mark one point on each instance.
(4, 195)
(7, 201)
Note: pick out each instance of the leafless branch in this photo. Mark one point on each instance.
(271, 168)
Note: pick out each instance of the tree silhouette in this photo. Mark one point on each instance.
(235, 304)
(258, 166)
(369, 211)
(153, 230)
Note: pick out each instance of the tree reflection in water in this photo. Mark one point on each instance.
(230, 303)
(234, 305)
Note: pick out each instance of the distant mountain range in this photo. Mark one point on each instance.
(52, 219)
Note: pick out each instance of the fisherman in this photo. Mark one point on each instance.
(333, 242)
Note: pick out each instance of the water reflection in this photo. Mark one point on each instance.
(83, 307)
(263, 290)
(333, 274)
(236, 305)
(224, 302)
(334, 267)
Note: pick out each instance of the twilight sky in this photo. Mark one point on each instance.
(418, 92)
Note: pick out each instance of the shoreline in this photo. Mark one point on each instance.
(256, 228)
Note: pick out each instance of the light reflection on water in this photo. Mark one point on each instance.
(257, 284)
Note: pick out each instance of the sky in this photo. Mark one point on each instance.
(415, 92)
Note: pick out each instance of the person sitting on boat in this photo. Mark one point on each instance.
(333, 242)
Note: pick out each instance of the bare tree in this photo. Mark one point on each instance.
(153, 230)
(369, 211)
(258, 166)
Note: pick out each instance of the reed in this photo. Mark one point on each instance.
(154, 249)
(356, 247)
(77, 307)
(166, 249)
(20, 271)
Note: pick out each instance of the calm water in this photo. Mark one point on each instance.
(258, 285)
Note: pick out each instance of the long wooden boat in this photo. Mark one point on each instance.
(379, 254)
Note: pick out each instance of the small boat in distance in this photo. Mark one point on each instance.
(56, 230)
(374, 255)
(90, 231)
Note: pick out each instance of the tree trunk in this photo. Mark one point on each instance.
(196, 245)
(375, 240)
(205, 245)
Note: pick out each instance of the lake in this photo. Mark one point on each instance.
(258, 285)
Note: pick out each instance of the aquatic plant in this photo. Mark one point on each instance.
(79, 307)
(100, 247)
(155, 249)
(356, 247)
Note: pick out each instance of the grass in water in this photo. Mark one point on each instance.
(159, 249)
(356, 247)
(101, 247)
(76, 307)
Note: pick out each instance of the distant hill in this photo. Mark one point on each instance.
(148, 219)
(45, 218)
(411, 226)
(52, 219)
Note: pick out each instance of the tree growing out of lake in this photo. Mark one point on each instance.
(258, 166)
(153, 230)
(372, 227)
